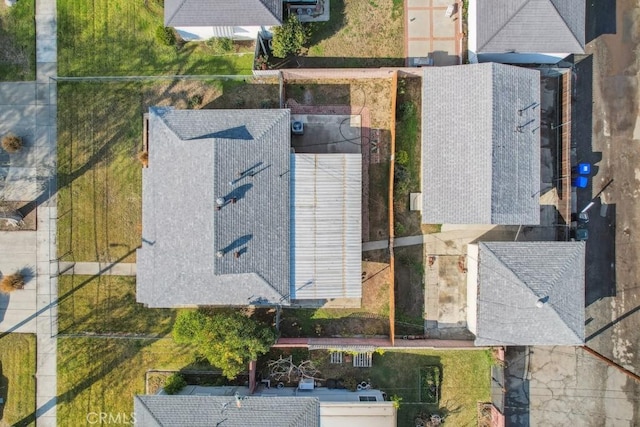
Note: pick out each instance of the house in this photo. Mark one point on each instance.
(480, 145)
(227, 411)
(525, 31)
(238, 19)
(526, 293)
(317, 406)
(230, 216)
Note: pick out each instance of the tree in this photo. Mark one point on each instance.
(229, 341)
(289, 38)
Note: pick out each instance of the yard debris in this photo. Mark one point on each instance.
(285, 369)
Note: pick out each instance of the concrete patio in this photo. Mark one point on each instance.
(431, 37)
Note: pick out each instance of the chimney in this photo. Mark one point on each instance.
(234, 200)
(236, 254)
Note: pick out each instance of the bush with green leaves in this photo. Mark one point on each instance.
(228, 340)
(220, 44)
(402, 157)
(289, 38)
(166, 36)
(174, 384)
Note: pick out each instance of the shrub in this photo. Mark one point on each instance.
(143, 157)
(350, 383)
(11, 282)
(194, 101)
(220, 44)
(289, 38)
(402, 157)
(407, 110)
(174, 384)
(165, 36)
(12, 143)
(397, 400)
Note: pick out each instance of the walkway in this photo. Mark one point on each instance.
(430, 33)
(97, 268)
(397, 243)
(46, 247)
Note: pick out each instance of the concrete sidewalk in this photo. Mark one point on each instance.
(97, 268)
(397, 243)
(47, 214)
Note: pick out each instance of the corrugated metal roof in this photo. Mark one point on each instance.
(327, 226)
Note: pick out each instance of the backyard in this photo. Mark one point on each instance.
(99, 138)
(17, 379)
(103, 375)
(118, 38)
(17, 41)
(359, 34)
(464, 379)
(366, 96)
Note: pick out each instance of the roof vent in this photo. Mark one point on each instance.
(542, 302)
(220, 201)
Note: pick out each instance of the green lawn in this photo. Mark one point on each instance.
(465, 381)
(18, 41)
(107, 304)
(360, 33)
(99, 177)
(103, 375)
(17, 379)
(117, 37)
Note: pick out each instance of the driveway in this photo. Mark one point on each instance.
(607, 133)
(566, 386)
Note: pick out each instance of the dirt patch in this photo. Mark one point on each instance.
(180, 94)
(375, 94)
(26, 209)
(375, 287)
(248, 93)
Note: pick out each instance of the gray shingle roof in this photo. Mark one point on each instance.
(195, 157)
(480, 154)
(204, 13)
(545, 26)
(210, 411)
(514, 276)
